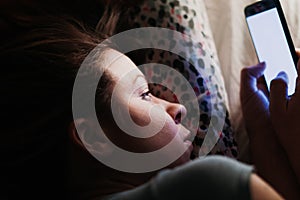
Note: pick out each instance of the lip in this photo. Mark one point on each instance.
(188, 137)
(189, 144)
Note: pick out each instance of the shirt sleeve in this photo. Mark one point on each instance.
(212, 177)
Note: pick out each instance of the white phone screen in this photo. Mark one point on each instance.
(272, 47)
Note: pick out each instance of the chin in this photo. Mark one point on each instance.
(182, 159)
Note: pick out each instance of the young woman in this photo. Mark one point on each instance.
(45, 150)
(41, 68)
(200, 65)
(205, 175)
(202, 70)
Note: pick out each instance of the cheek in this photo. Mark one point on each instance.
(140, 116)
(146, 144)
(155, 123)
(152, 124)
(144, 113)
(164, 136)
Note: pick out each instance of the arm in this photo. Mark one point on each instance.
(267, 154)
(261, 190)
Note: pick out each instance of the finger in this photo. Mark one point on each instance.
(297, 90)
(249, 77)
(298, 63)
(279, 94)
(298, 52)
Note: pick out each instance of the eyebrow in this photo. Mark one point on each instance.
(139, 76)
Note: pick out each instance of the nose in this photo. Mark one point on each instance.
(176, 111)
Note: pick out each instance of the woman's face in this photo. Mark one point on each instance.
(142, 122)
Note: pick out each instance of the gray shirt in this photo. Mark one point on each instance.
(212, 177)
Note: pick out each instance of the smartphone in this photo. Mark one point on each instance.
(272, 40)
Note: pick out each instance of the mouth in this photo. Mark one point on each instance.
(189, 137)
(188, 141)
(189, 145)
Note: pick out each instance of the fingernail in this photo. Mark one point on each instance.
(282, 73)
(283, 76)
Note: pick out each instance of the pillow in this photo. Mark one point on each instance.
(200, 67)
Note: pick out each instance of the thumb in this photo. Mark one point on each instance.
(249, 77)
(279, 94)
(298, 52)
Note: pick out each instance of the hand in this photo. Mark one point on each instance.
(266, 152)
(285, 117)
(285, 111)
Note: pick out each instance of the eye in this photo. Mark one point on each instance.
(146, 95)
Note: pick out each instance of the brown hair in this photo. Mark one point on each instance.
(116, 16)
(40, 64)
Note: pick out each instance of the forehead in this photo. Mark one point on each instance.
(118, 64)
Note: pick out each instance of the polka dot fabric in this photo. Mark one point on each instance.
(201, 69)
